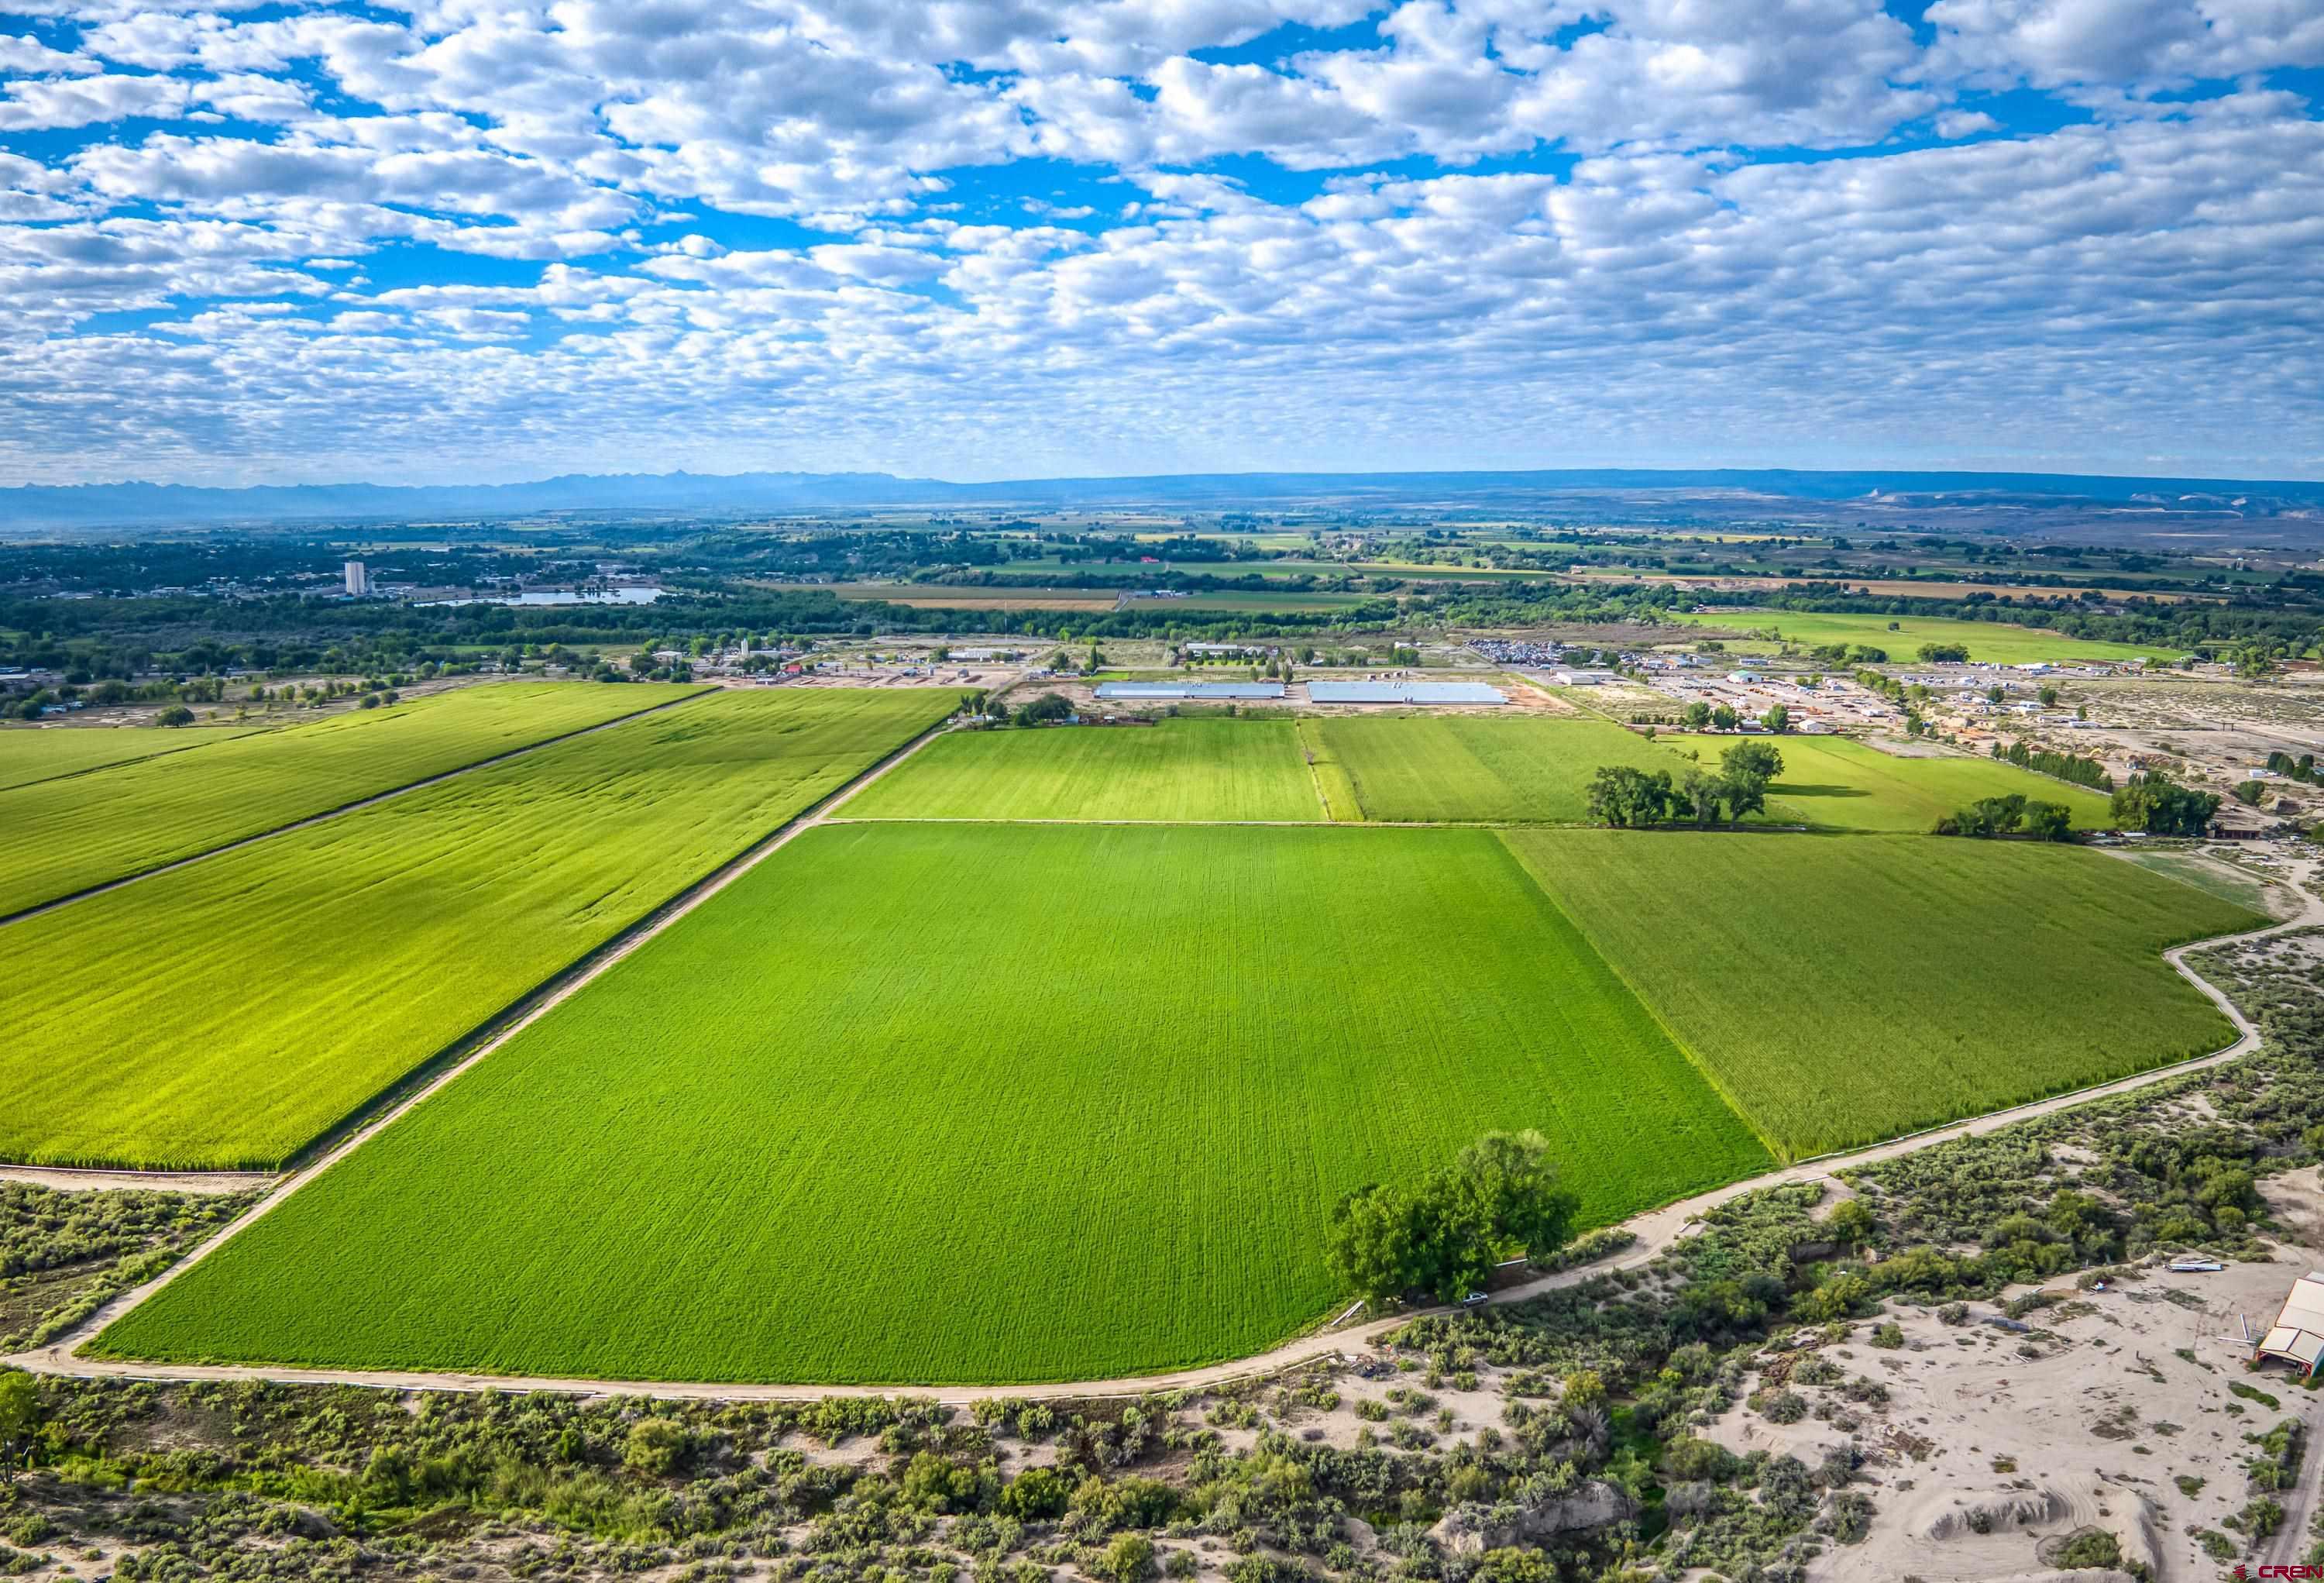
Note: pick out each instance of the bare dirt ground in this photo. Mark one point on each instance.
(1995, 1444)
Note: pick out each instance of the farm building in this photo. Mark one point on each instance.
(1227, 650)
(1228, 691)
(2298, 1334)
(1405, 692)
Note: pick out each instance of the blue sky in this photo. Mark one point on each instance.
(986, 239)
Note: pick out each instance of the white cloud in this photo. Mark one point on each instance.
(1677, 289)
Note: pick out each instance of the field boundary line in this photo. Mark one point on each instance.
(143, 758)
(1656, 1231)
(518, 1016)
(344, 809)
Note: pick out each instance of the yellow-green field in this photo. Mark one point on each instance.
(225, 1014)
(1180, 770)
(35, 753)
(66, 836)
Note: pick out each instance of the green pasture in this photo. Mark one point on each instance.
(69, 834)
(948, 1104)
(1837, 783)
(1519, 768)
(1989, 642)
(30, 753)
(1185, 769)
(1845, 989)
(227, 1012)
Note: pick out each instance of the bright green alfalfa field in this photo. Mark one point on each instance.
(1835, 783)
(1521, 769)
(1841, 989)
(67, 836)
(228, 1013)
(947, 1103)
(1179, 770)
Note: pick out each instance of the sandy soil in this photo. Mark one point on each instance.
(1994, 1441)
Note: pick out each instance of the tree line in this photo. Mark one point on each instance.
(1623, 797)
(2061, 766)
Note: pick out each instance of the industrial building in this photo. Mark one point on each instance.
(2298, 1334)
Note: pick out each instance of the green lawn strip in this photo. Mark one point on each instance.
(225, 1014)
(1988, 642)
(1837, 784)
(1179, 770)
(67, 836)
(1334, 790)
(1849, 989)
(30, 754)
(971, 1103)
(1521, 769)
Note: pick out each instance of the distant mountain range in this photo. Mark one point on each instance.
(137, 505)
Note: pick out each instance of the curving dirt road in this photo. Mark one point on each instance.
(1656, 1231)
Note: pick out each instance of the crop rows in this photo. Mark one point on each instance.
(227, 1012)
(67, 836)
(28, 754)
(947, 1103)
(1477, 768)
(1842, 990)
(1184, 769)
(1900, 637)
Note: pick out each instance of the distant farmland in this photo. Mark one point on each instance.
(1188, 769)
(224, 1014)
(1989, 640)
(66, 836)
(945, 1102)
(1843, 989)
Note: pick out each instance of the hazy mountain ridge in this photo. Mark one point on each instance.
(136, 503)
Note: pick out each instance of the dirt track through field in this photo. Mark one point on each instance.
(1656, 1231)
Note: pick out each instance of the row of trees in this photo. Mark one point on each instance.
(1699, 716)
(2010, 816)
(2063, 766)
(1626, 798)
(1444, 1236)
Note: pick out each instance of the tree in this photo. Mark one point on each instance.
(1724, 718)
(175, 715)
(1444, 1236)
(1702, 794)
(1049, 706)
(2157, 805)
(2248, 793)
(1628, 799)
(2049, 821)
(20, 1418)
(1756, 761)
(1941, 654)
(1696, 716)
(1993, 695)
(2047, 694)
(1777, 719)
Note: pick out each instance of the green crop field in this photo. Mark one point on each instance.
(1259, 600)
(66, 836)
(950, 1103)
(1179, 770)
(1840, 784)
(1477, 768)
(31, 753)
(1843, 989)
(1988, 641)
(227, 1012)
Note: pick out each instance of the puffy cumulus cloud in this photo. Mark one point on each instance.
(724, 233)
(2139, 42)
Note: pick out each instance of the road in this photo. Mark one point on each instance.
(1655, 1232)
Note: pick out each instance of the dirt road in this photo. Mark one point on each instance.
(1656, 1231)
